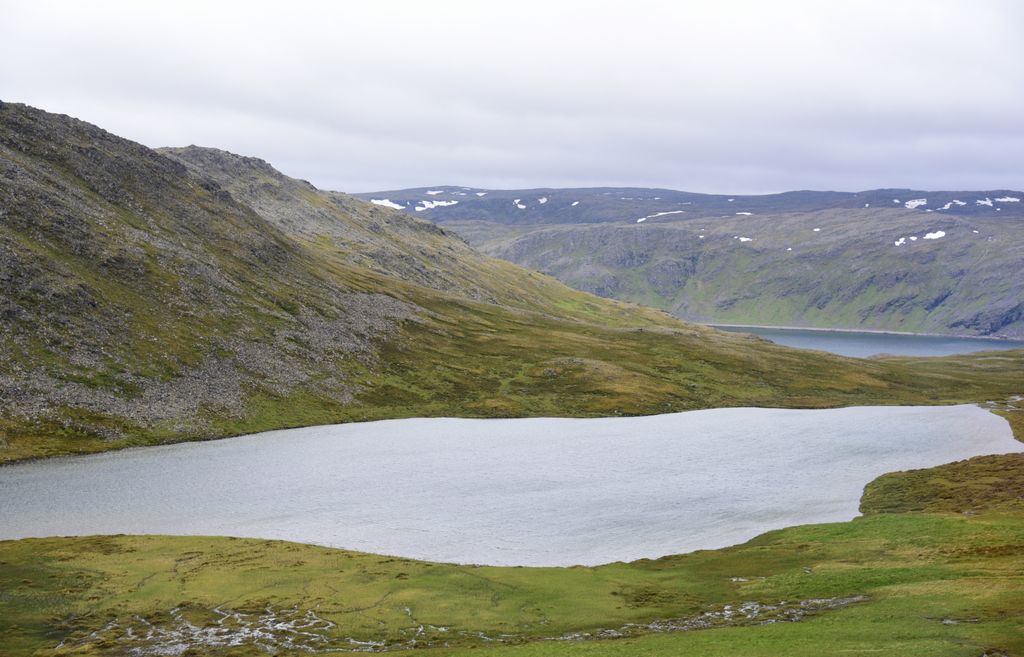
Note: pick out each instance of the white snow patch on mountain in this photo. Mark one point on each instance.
(481, 193)
(936, 235)
(915, 203)
(986, 201)
(746, 214)
(662, 214)
(427, 205)
(574, 203)
(387, 203)
(1008, 199)
(542, 200)
(901, 241)
(435, 192)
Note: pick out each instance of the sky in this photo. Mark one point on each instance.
(722, 96)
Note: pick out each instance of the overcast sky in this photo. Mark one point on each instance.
(712, 96)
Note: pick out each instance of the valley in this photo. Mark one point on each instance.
(929, 263)
(158, 296)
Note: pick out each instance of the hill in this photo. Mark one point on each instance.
(900, 260)
(192, 294)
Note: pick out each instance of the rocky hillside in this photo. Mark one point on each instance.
(160, 296)
(901, 260)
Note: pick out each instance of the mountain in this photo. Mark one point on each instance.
(900, 260)
(155, 296)
(628, 204)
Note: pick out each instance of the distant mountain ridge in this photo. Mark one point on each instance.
(888, 259)
(618, 204)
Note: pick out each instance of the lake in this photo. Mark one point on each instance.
(505, 492)
(861, 345)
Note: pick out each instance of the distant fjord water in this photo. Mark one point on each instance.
(863, 344)
(531, 492)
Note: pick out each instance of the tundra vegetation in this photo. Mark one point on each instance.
(190, 293)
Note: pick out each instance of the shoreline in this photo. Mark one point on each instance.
(909, 334)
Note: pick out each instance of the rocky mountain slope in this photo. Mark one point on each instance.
(902, 260)
(153, 297)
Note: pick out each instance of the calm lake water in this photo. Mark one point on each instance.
(505, 492)
(862, 345)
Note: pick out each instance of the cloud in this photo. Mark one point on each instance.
(731, 96)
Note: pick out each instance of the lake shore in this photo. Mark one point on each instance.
(994, 338)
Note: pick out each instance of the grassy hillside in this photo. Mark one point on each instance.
(934, 568)
(195, 294)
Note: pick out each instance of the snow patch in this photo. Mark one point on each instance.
(913, 239)
(936, 235)
(427, 205)
(518, 204)
(817, 230)
(901, 241)
(574, 203)
(867, 205)
(915, 203)
(789, 248)
(745, 214)
(986, 201)
(641, 220)
(1008, 199)
(435, 192)
(661, 214)
(746, 239)
(731, 200)
(387, 203)
(481, 193)
(542, 200)
(895, 200)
